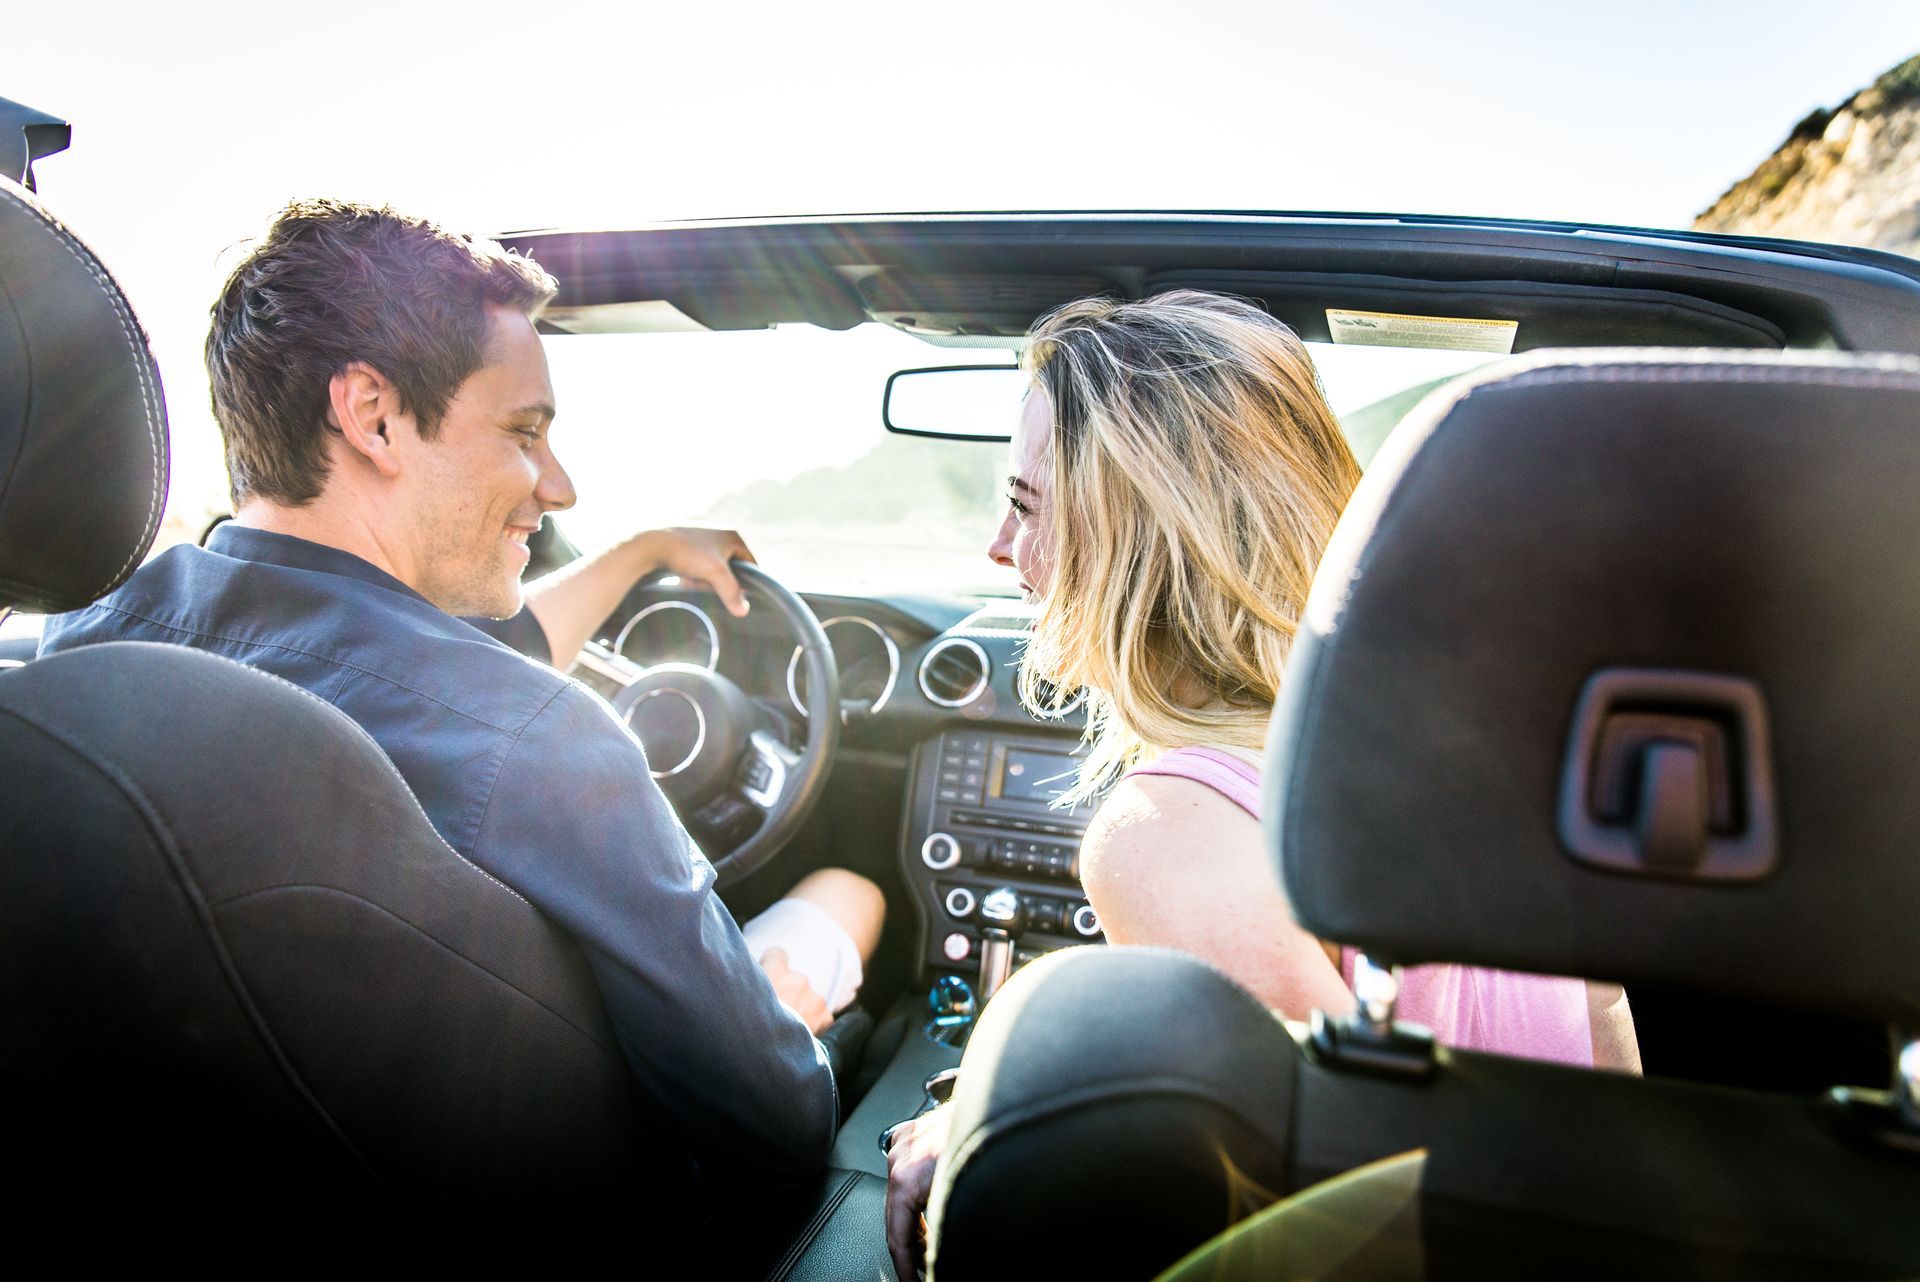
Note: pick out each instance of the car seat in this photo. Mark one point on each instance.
(1609, 670)
(240, 974)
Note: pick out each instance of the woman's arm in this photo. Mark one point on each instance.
(1172, 863)
(1614, 1044)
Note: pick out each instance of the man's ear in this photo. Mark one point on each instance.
(364, 407)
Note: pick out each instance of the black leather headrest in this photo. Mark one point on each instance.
(83, 428)
(1613, 669)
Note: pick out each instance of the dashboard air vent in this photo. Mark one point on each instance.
(954, 672)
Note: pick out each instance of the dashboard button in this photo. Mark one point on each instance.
(947, 794)
(960, 903)
(1086, 922)
(1044, 914)
(956, 947)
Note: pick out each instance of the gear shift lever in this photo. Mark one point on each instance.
(1002, 918)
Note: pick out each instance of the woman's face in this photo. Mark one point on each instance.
(1024, 541)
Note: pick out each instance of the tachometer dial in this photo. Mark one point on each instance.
(670, 632)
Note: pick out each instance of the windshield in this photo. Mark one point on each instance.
(777, 433)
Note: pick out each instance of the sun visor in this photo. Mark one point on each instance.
(1319, 307)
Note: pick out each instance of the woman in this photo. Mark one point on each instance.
(1176, 473)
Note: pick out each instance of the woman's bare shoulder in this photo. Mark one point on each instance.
(1146, 819)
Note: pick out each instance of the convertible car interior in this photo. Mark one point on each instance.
(1609, 673)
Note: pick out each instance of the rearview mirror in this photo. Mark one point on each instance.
(955, 402)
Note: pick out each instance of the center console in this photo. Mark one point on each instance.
(979, 820)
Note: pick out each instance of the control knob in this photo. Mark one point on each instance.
(960, 903)
(940, 851)
(1086, 922)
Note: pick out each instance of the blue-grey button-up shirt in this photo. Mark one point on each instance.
(534, 778)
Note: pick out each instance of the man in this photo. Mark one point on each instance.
(386, 407)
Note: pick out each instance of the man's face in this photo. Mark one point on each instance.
(482, 485)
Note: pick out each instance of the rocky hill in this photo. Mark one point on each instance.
(1849, 175)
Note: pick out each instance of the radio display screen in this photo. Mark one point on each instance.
(1023, 774)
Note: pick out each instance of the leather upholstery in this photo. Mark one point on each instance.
(83, 425)
(1120, 1106)
(238, 956)
(1117, 1107)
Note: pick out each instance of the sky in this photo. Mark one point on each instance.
(193, 123)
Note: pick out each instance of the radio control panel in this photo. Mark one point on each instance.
(980, 818)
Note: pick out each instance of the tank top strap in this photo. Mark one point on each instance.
(1230, 776)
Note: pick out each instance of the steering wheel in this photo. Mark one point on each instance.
(722, 757)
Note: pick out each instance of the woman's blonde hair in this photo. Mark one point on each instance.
(1197, 474)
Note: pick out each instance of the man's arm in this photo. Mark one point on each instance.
(576, 824)
(576, 598)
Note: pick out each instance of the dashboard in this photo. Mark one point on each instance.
(930, 700)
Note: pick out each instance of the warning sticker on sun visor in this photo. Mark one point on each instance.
(1444, 333)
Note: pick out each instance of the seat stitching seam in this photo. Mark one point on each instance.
(1782, 375)
(393, 771)
(397, 777)
(264, 891)
(819, 1221)
(189, 887)
(130, 332)
(1159, 1085)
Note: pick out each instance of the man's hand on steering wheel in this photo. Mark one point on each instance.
(699, 556)
(571, 602)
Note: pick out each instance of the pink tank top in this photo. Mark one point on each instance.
(1502, 1012)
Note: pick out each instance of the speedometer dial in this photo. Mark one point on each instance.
(866, 657)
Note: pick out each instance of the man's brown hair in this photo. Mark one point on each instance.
(334, 283)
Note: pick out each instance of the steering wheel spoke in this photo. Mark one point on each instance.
(611, 664)
(764, 769)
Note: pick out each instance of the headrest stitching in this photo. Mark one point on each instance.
(1872, 377)
(136, 347)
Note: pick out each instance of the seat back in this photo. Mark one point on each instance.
(237, 956)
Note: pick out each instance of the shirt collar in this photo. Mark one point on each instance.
(245, 543)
